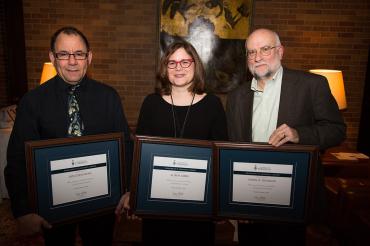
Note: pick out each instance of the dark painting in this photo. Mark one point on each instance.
(217, 29)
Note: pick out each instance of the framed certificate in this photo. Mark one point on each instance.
(73, 178)
(172, 177)
(262, 182)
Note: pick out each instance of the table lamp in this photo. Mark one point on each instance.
(335, 79)
(48, 71)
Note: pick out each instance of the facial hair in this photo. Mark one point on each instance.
(267, 75)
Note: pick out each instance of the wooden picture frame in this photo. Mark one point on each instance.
(73, 178)
(262, 182)
(172, 178)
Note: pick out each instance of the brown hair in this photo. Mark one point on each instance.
(69, 30)
(163, 85)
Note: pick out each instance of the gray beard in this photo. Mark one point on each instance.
(267, 75)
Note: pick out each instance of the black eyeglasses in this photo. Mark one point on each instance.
(264, 51)
(184, 63)
(66, 55)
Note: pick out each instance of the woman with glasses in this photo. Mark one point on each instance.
(181, 108)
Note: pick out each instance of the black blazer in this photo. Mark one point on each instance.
(306, 104)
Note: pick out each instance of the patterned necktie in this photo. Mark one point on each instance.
(76, 126)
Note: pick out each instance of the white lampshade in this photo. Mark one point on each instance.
(336, 84)
(48, 71)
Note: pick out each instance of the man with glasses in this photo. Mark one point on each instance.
(68, 105)
(281, 106)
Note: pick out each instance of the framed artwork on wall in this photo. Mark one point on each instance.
(217, 29)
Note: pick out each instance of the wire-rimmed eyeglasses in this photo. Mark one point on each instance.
(184, 63)
(264, 51)
(66, 55)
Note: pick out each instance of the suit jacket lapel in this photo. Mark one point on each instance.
(287, 97)
(246, 112)
(241, 114)
(249, 112)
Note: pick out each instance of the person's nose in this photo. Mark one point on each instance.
(72, 59)
(178, 66)
(258, 56)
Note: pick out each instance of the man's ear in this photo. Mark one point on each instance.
(89, 57)
(52, 58)
(281, 52)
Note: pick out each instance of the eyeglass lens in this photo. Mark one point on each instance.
(264, 51)
(185, 63)
(66, 55)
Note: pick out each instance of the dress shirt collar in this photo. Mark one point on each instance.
(64, 86)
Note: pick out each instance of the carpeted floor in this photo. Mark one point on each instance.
(128, 233)
(8, 229)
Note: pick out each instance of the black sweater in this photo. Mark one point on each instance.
(206, 119)
(42, 114)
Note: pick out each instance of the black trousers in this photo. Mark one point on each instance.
(94, 231)
(178, 232)
(271, 234)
